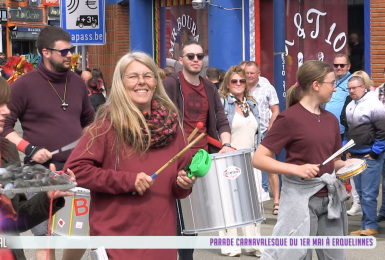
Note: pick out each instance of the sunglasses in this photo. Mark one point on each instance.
(63, 52)
(191, 56)
(339, 65)
(235, 81)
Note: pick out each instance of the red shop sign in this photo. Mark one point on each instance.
(51, 2)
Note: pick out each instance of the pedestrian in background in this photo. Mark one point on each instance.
(53, 107)
(242, 112)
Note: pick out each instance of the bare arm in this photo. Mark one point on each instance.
(13, 137)
(226, 139)
(338, 163)
(263, 160)
(274, 113)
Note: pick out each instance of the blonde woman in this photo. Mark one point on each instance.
(242, 112)
(133, 135)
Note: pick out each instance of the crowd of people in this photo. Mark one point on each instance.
(147, 116)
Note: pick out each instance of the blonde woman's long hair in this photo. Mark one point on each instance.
(125, 118)
(224, 91)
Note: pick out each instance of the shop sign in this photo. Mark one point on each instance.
(29, 29)
(51, 2)
(26, 14)
(3, 15)
(34, 2)
(54, 12)
(84, 21)
(315, 30)
(185, 24)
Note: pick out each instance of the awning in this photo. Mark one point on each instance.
(25, 33)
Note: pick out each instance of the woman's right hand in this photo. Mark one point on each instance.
(143, 182)
(307, 171)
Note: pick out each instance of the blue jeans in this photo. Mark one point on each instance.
(367, 186)
(265, 180)
(382, 209)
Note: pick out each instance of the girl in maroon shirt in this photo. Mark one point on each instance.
(309, 134)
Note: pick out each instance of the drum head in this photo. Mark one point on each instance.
(351, 170)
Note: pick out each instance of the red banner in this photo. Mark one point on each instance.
(51, 2)
(315, 30)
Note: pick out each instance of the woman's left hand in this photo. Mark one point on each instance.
(184, 181)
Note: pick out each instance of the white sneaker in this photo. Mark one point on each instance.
(265, 196)
(235, 253)
(355, 210)
(258, 253)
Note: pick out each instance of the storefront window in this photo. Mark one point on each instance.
(23, 47)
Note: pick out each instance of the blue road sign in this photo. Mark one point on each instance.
(84, 20)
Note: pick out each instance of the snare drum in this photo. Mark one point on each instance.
(351, 170)
(226, 197)
(72, 219)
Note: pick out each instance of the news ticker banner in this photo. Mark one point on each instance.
(197, 242)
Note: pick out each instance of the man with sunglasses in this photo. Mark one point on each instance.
(53, 107)
(341, 68)
(198, 100)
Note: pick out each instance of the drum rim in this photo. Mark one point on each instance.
(236, 152)
(350, 174)
(359, 164)
(79, 190)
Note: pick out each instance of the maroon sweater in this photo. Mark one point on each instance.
(36, 105)
(114, 210)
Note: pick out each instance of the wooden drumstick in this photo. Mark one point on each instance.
(178, 155)
(193, 133)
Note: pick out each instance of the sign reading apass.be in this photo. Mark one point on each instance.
(84, 21)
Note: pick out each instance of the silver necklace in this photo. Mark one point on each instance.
(317, 117)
